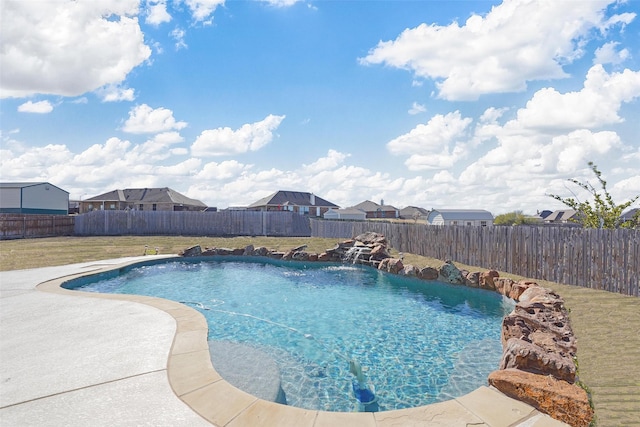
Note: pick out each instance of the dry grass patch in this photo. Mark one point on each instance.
(34, 253)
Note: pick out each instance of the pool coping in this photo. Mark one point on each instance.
(195, 381)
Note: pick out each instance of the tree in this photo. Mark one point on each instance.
(512, 218)
(603, 213)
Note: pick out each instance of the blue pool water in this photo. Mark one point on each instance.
(417, 342)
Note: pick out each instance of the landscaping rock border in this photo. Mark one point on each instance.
(539, 347)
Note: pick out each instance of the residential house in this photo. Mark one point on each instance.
(293, 201)
(568, 216)
(142, 199)
(413, 212)
(33, 198)
(543, 214)
(477, 217)
(351, 214)
(374, 210)
(630, 215)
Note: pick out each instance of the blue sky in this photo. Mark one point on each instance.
(439, 104)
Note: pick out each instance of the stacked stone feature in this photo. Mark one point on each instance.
(539, 350)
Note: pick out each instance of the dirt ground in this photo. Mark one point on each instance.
(607, 325)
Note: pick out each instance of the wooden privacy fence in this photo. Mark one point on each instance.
(598, 259)
(223, 223)
(19, 226)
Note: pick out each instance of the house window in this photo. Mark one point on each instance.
(483, 223)
(154, 207)
(454, 222)
(141, 206)
(90, 207)
(304, 210)
(468, 222)
(112, 206)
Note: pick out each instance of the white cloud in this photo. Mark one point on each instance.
(607, 54)
(178, 35)
(115, 93)
(435, 145)
(226, 141)
(159, 147)
(202, 10)
(332, 160)
(225, 171)
(498, 52)
(144, 119)
(68, 47)
(417, 108)
(492, 114)
(597, 104)
(568, 153)
(157, 12)
(40, 107)
(626, 188)
(281, 3)
(112, 150)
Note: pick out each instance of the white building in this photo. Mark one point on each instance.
(345, 214)
(476, 217)
(33, 198)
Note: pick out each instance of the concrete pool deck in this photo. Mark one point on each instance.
(76, 359)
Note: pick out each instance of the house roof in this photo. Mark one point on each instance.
(462, 214)
(27, 184)
(409, 211)
(628, 215)
(296, 198)
(369, 206)
(560, 215)
(147, 195)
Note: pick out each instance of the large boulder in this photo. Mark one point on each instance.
(529, 357)
(547, 326)
(473, 279)
(503, 285)
(518, 289)
(428, 273)
(486, 279)
(409, 270)
(379, 252)
(566, 402)
(451, 274)
(392, 265)
(324, 256)
(300, 256)
(261, 251)
(192, 251)
(372, 238)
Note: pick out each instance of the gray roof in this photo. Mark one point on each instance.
(27, 184)
(628, 215)
(296, 198)
(369, 206)
(462, 214)
(147, 195)
(560, 215)
(409, 211)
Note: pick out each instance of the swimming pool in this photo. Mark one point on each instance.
(417, 342)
